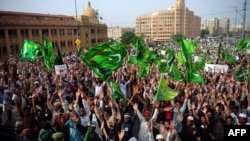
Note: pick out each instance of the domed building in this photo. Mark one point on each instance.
(90, 13)
(61, 30)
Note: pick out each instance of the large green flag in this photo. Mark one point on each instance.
(180, 58)
(229, 58)
(116, 92)
(49, 55)
(30, 50)
(103, 59)
(191, 73)
(240, 74)
(189, 46)
(164, 92)
(243, 44)
(175, 73)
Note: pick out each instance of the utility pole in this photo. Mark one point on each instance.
(244, 19)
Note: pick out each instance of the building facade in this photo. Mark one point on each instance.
(62, 30)
(161, 25)
(116, 32)
(224, 24)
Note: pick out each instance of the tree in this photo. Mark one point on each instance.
(127, 37)
(204, 32)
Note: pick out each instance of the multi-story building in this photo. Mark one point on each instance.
(116, 32)
(224, 24)
(212, 26)
(62, 30)
(159, 26)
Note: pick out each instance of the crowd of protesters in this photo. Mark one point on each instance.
(38, 105)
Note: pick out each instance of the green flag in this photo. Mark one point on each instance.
(191, 73)
(144, 70)
(240, 74)
(163, 67)
(243, 44)
(30, 50)
(164, 92)
(170, 55)
(175, 73)
(180, 58)
(132, 59)
(230, 59)
(87, 134)
(59, 59)
(116, 92)
(103, 59)
(49, 55)
(79, 52)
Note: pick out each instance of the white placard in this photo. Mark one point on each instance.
(216, 68)
(61, 69)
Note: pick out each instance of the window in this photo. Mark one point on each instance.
(35, 32)
(45, 32)
(70, 44)
(69, 32)
(61, 32)
(53, 32)
(62, 44)
(2, 36)
(24, 33)
(12, 49)
(12, 33)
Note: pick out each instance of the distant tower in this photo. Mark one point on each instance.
(180, 3)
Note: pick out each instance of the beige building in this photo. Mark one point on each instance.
(60, 29)
(116, 32)
(159, 26)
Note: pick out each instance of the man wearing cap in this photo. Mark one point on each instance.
(145, 132)
(190, 132)
(127, 126)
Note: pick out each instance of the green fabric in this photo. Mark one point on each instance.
(59, 59)
(163, 67)
(175, 73)
(191, 73)
(116, 92)
(103, 59)
(87, 135)
(170, 55)
(243, 44)
(229, 58)
(30, 50)
(240, 74)
(49, 55)
(164, 92)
